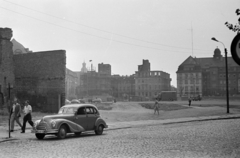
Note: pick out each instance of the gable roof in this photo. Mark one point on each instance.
(208, 62)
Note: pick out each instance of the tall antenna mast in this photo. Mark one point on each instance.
(192, 37)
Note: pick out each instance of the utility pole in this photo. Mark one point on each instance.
(9, 101)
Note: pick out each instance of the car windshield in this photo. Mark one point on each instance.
(67, 110)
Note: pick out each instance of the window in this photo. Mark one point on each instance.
(81, 111)
(197, 89)
(94, 111)
(89, 110)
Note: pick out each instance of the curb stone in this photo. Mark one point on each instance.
(132, 124)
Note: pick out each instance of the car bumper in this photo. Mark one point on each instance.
(53, 131)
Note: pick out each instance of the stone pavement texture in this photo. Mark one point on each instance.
(17, 135)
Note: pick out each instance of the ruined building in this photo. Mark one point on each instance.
(149, 83)
(6, 65)
(38, 76)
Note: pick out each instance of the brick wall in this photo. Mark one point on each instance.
(40, 78)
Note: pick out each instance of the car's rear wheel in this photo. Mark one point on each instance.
(62, 132)
(40, 136)
(78, 133)
(99, 130)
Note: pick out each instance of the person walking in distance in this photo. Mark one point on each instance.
(189, 101)
(156, 107)
(27, 115)
(15, 114)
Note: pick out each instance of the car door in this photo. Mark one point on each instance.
(92, 116)
(81, 117)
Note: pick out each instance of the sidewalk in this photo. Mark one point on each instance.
(181, 117)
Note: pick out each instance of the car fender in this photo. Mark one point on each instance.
(100, 121)
(73, 127)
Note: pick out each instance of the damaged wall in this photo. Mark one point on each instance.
(40, 78)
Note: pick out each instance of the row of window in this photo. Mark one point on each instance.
(187, 75)
(229, 82)
(189, 88)
(148, 80)
(146, 74)
(189, 81)
(229, 75)
(149, 87)
(146, 94)
(224, 89)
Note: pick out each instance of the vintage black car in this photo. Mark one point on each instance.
(72, 118)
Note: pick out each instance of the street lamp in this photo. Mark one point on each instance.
(226, 63)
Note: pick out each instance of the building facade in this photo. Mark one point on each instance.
(123, 87)
(94, 84)
(207, 76)
(40, 78)
(150, 83)
(145, 84)
(71, 83)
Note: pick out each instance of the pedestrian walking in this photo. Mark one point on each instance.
(27, 115)
(189, 101)
(156, 107)
(15, 114)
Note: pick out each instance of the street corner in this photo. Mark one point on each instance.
(16, 135)
(5, 139)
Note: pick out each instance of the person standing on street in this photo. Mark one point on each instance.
(15, 114)
(27, 115)
(156, 107)
(189, 101)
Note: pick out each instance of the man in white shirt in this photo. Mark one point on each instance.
(27, 115)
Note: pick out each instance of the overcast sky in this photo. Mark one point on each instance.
(122, 32)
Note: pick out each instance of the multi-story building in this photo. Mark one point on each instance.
(71, 83)
(144, 84)
(150, 83)
(123, 87)
(104, 69)
(96, 83)
(207, 76)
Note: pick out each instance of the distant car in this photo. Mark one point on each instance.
(197, 98)
(73, 118)
(97, 100)
(67, 101)
(75, 101)
(81, 100)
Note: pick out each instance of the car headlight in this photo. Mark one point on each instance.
(53, 123)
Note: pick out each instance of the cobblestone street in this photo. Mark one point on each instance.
(197, 139)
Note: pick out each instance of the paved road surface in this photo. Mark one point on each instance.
(219, 138)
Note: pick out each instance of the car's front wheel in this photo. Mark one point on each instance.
(62, 132)
(99, 130)
(40, 136)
